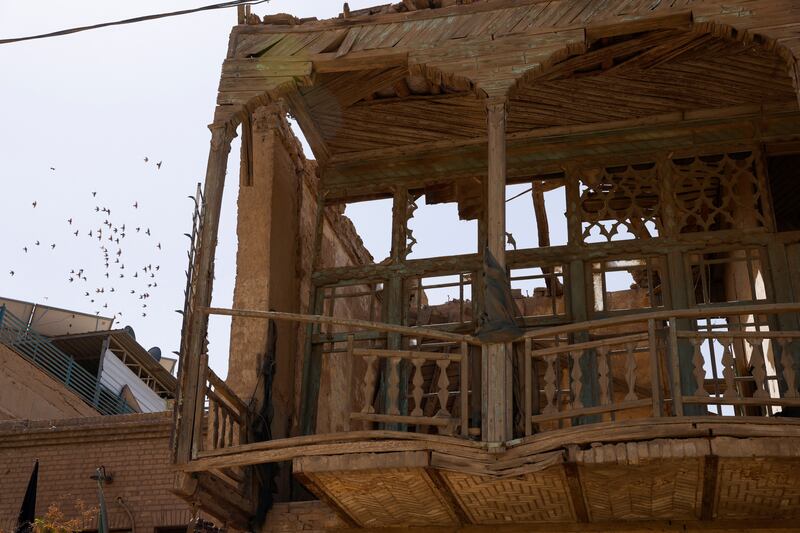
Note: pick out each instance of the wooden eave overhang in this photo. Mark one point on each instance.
(401, 96)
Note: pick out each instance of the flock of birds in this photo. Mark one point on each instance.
(111, 235)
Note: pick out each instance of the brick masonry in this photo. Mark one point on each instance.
(133, 448)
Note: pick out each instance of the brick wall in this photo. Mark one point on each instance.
(133, 448)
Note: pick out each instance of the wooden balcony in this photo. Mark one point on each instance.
(663, 416)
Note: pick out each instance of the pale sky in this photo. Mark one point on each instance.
(93, 106)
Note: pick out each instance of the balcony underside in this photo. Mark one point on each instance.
(688, 469)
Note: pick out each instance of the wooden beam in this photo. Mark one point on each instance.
(335, 321)
(709, 494)
(309, 483)
(447, 497)
(190, 379)
(306, 121)
(576, 491)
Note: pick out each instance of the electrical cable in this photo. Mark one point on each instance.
(223, 5)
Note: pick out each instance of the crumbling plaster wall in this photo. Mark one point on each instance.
(276, 222)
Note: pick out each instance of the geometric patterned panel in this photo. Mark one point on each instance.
(755, 488)
(535, 497)
(714, 192)
(395, 497)
(657, 490)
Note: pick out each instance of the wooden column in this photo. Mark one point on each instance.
(578, 281)
(394, 311)
(191, 376)
(679, 287)
(779, 275)
(496, 364)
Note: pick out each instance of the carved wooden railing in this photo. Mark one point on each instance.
(224, 425)
(443, 419)
(226, 415)
(762, 385)
(734, 359)
(555, 378)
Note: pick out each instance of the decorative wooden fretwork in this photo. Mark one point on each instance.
(718, 192)
(619, 203)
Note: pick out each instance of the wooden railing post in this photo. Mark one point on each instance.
(341, 383)
(655, 369)
(675, 368)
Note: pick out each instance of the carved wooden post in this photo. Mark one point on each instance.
(191, 380)
(679, 287)
(395, 310)
(496, 364)
(578, 305)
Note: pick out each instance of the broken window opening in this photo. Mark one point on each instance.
(372, 220)
(728, 276)
(536, 213)
(437, 229)
(628, 284)
(539, 291)
(439, 300)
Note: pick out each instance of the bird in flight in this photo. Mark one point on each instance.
(53, 246)
(146, 159)
(53, 168)
(37, 243)
(25, 249)
(136, 205)
(34, 204)
(70, 221)
(158, 165)
(76, 233)
(94, 193)
(157, 246)
(147, 232)
(11, 272)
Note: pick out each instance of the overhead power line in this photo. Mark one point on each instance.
(223, 5)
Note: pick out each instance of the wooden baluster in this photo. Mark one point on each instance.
(576, 384)
(759, 368)
(443, 393)
(699, 367)
(728, 371)
(231, 423)
(393, 386)
(222, 428)
(213, 405)
(605, 378)
(418, 382)
(789, 374)
(550, 388)
(630, 372)
(528, 370)
(369, 384)
(464, 382)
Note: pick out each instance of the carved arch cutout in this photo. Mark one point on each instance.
(619, 51)
(637, 75)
